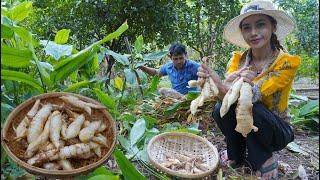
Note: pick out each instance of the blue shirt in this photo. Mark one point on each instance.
(179, 78)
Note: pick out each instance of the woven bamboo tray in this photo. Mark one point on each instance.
(15, 149)
(182, 143)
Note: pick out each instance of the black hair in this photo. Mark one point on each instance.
(177, 49)
(274, 42)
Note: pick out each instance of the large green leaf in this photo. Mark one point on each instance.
(105, 99)
(21, 77)
(26, 36)
(127, 168)
(62, 36)
(137, 131)
(130, 76)
(115, 34)
(6, 32)
(43, 72)
(154, 84)
(15, 57)
(309, 107)
(156, 55)
(138, 44)
(76, 86)
(104, 177)
(118, 57)
(21, 11)
(64, 68)
(56, 50)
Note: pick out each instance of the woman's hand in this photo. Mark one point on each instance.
(204, 72)
(248, 75)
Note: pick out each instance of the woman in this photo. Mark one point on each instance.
(270, 70)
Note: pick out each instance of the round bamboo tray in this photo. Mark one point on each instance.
(182, 143)
(16, 150)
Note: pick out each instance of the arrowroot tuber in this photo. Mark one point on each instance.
(74, 128)
(21, 130)
(209, 90)
(42, 139)
(88, 132)
(74, 150)
(37, 123)
(55, 127)
(100, 139)
(231, 96)
(34, 109)
(244, 111)
(65, 164)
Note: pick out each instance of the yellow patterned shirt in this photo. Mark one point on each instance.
(272, 87)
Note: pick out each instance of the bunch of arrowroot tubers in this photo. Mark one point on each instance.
(241, 91)
(208, 90)
(56, 133)
(185, 163)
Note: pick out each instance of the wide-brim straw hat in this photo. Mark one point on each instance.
(285, 23)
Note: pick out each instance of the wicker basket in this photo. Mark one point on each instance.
(15, 151)
(182, 143)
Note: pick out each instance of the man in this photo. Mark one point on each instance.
(180, 70)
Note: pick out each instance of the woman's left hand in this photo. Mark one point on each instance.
(248, 75)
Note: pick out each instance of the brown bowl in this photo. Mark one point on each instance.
(16, 149)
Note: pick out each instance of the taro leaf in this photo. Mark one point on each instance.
(62, 36)
(21, 77)
(140, 64)
(56, 50)
(138, 44)
(155, 56)
(15, 57)
(143, 155)
(123, 59)
(75, 86)
(105, 98)
(130, 76)
(137, 131)
(309, 107)
(296, 148)
(131, 150)
(127, 168)
(21, 11)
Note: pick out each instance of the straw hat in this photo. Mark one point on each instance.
(285, 23)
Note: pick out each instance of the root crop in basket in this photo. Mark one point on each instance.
(185, 163)
(55, 137)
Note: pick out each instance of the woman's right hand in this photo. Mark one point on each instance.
(234, 75)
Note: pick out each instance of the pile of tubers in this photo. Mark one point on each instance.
(208, 90)
(241, 91)
(184, 163)
(56, 133)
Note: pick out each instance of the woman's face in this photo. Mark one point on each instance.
(257, 30)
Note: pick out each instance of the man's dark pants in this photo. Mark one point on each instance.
(273, 135)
